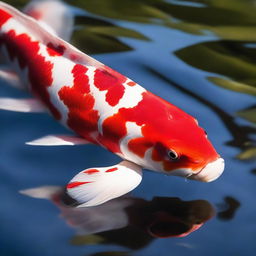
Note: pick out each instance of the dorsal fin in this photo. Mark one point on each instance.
(46, 37)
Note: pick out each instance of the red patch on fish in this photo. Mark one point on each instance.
(77, 184)
(139, 146)
(114, 130)
(131, 83)
(84, 123)
(82, 118)
(81, 80)
(74, 100)
(91, 171)
(112, 82)
(112, 169)
(39, 70)
(4, 17)
(55, 50)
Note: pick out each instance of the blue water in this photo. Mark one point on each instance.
(33, 227)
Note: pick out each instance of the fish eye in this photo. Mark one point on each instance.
(172, 155)
(205, 132)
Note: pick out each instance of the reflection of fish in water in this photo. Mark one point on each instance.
(102, 106)
(162, 217)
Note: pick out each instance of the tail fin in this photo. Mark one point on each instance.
(55, 16)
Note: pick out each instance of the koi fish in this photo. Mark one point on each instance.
(102, 107)
(161, 217)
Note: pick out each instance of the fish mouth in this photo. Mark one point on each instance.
(210, 172)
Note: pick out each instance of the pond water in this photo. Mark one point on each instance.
(199, 55)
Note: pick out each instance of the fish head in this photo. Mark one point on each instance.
(176, 145)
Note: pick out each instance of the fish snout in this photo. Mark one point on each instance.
(210, 172)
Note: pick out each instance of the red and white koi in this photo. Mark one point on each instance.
(102, 107)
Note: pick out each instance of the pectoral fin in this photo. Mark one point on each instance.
(95, 186)
(44, 192)
(22, 105)
(58, 140)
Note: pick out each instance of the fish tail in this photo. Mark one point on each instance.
(55, 16)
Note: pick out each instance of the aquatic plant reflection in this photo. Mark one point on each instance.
(229, 58)
(227, 19)
(96, 35)
(120, 219)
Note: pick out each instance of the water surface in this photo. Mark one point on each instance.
(199, 55)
